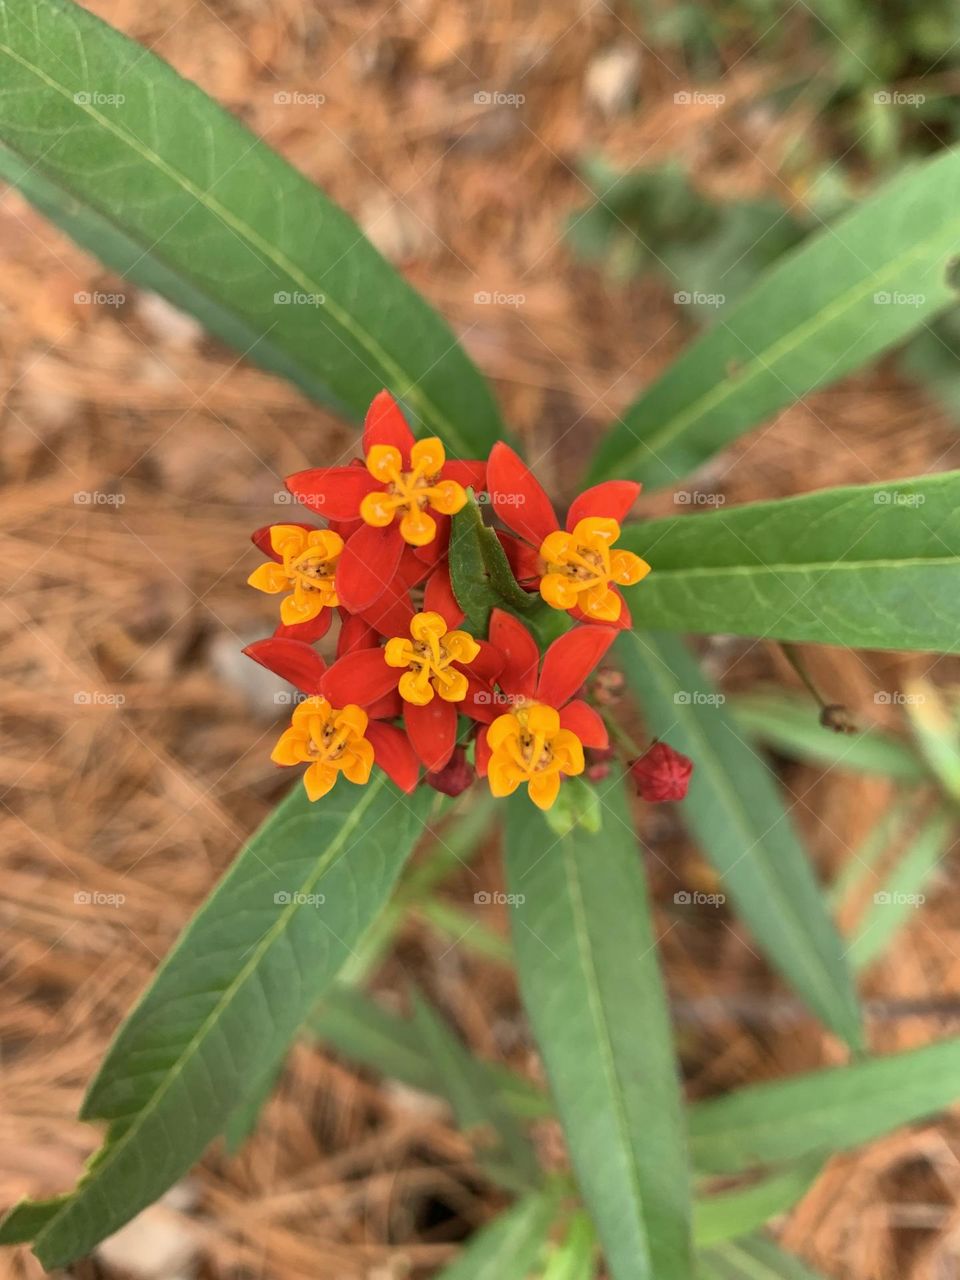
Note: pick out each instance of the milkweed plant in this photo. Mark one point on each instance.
(465, 649)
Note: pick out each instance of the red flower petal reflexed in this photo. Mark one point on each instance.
(310, 631)
(521, 656)
(367, 565)
(439, 598)
(334, 492)
(570, 659)
(518, 497)
(586, 723)
(361, 677)
(292, 660)
(483, 752)
(661, 774)
(394, 754)
(525, 563)
(385, 424)
(432, 731)
(355, 633)
(471, 475)
(454, 777)
(613, 499)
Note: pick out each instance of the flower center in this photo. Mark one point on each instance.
(528, 745)
(580, 567)
(408, 494)
(429, 655)
(329, 741)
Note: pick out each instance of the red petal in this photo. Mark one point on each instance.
(586, 723)
(355, 633)
(481, 702)
(394, 754)
(439, 597)
(518, 497)
(368, 565)
(432, 731)
(310, 631)
(385, 424)
(472, 475)
(292, 660)
(391, 615)
(521, 656)
(334, 492)
(387, 708)
(261, 538)
(488, 663)
(483, 753)
(524, 560)
(613, 499)
(569, 661)
(361, 677)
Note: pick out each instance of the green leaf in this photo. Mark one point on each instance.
(145, 170)
(591, 985)
(509, 1158)
(900, 892)
(359, 1028)
(480, 573)
(816, 315)
(823, 1111)
(864, 860)
(734, 810)
(753, 1259)
(935, 730)
(792, 726)
(508, 1248)
(730, 1214)
(876, 566)
(574, 1258)
(228, 999)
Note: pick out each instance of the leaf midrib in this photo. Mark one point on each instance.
(410, 391)
(765, 361)
(371, 791)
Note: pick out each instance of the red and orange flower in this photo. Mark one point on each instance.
(411, 688)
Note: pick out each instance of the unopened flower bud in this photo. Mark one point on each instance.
(661, 774)
(454, 777)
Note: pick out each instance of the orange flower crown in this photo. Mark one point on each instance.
(413, 686)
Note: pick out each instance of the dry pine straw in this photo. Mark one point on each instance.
(348, 1176)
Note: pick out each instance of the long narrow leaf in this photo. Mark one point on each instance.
(735, 812)
(823, 310)
(823, 1111)
(731, 1214)
(875, 566)
(227, 1001)
(509, 1247)
(590, 981)
(753, 1258)
(150, 174)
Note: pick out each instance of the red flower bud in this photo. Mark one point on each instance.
(455, 776)
(661, 774)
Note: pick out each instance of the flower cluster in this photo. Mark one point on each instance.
(410, 688)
